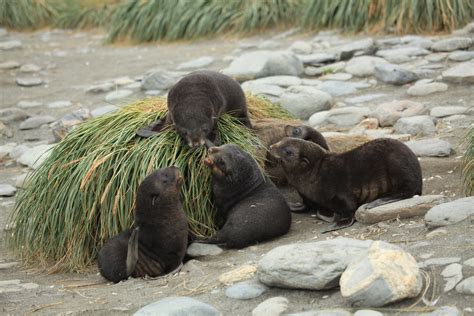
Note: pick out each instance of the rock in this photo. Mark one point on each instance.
(436, 233)
(263, 64)
(246, 290)
(303, 103)
(262, 89)
(437, 57)
(9, 115)
(16, 152)
(364, 98)
(394, 74)
(399, 59)
(432, 147)
(282, 81)
(36, 121)
(10, 45)
(177, 306)
(324, 312)
(340, 76)
(417, 41)
(8, 265)
(193, 268)
(367, 312)
(103, 110)
(274, 306)
(35, 156)
(339, 88)
(160, 80)
(318, 59)
(198, 63)
(443, 111)
(268, 45)
(199, 250)
(123, 81)
(20, 180)
(30, 68)
(241, 273)
(311, 266)
(402, 51)
(363, 66)
(461, 73)
(331, 68)
(415, 206)
(451, 44)
(419, 89)
(364, 46)
(438, 261)
(7, 65)
(444, 311)
(364, 125)
(461, 56)
(415, 125)
(12, 286)
(466, 286)
(469, 262)
(383, 275)
(6, 149)
(29, 104)
(29, 82)
(100, 87)
(344, 116)
(59, 104)
(450, 213)
(301, 47)
(118, 94)
(452, 274)
(388, 113)
(7, 190)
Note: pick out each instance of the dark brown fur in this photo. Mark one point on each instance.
(157, 243)
(250, 208)
(196, 102)
(382, 170)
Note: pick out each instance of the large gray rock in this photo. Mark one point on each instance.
(394, 74)
(432, 147)
(344, 116)
(19, 150)
(199, 250)
(29, 82)
(363, 66)
(246, 290)
(420, 89)
(415, 206)
(461, 73)
(301, 47)
(177, 306)
(383, 275)
(263, 64)
(466, 286)
(198, 63)
(36, 121)
(461, 56)
(452, 275)
(415, 125)
(104, 110)
(160, 80)
(442, 111)
(8, 115)
(304, 102)
(10, 45)
(7, 190)
(274, 306)
(402, 51)
(450, 213)
(35, 156)
(389, 112)
(363, 46)
(451, 44)
(312, 266)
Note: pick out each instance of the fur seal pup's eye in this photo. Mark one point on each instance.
(288, 152)
(296, 131)
(221, 164)
(205, 130)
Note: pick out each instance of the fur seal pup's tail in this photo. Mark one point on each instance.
(132, 252)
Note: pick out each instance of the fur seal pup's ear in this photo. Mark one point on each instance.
(132, 252)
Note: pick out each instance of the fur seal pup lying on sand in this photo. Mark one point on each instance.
(250, 208)
(157, 243)
(378, 172)
(196, 102)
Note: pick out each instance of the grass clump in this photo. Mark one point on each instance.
(72, 14)
(468, 166)
(84, 192)
(25, 14)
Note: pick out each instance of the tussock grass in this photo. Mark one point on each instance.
(72, 14)
(84, 192)
(25, 14)
(468, 165)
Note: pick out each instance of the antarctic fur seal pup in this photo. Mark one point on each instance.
(196, 102)
(378, 172)
(157, 243)
(307, 133)
(250, 208)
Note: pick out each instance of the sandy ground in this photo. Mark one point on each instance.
(88, 61)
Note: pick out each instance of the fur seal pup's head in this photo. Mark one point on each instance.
(194, 131)
(231, 164)
(295, 154)
(160, 188)
(307, 133)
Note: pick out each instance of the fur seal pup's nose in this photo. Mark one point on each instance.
(213, 150)
(208, 161)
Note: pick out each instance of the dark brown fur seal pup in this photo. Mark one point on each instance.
(379, 172)
(196, 102)
(307, 133)
(250, 208)
(157, 243)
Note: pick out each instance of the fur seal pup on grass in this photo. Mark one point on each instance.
(196, 102)
(250, 208)
(157, 243)
(378, 172)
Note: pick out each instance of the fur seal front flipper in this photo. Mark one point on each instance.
(340, 224)
(152, 129)
(132, 252)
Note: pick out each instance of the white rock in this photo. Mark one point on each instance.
(118, 94)
(198, 63)
(59, 104)
(432, 147)
(337, 77)
(282, 81)
(469, 262)
(389, 112)
(35, 156)
(451, 44)
(427, 88)
(343, 116)
(103, 110)
(177, 306)
(274, 306)
(385, 274)
(407, 51)
(452, 274)
(29, 82)
(9, 65)
(29, 104)
(415, 125)
(438, 261)
(7, 190)
(450, 213)
(301, 47)
(36, 121)
(9, 45)
(442, 111)
(30, 68)
(303, 103)
(461, 73)
(466, 286)
(461, 56)
(363, 66)
(198, 250)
